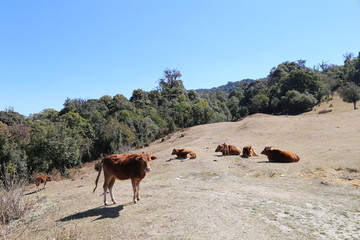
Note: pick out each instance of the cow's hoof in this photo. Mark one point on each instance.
(105, 203)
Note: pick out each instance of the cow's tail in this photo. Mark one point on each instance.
(97, 178)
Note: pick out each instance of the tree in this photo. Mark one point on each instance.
(295, 102)
(13, 158)
(352, 68)
(350, 93)
(10, 117)
(49, 114)
(52, 146)
(259, 103)
(171, 86)
(301, 81)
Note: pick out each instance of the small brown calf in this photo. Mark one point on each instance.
(227, 149)
(183, 153)
(42, 179)
(248, 151)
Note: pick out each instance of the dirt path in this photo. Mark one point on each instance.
(214, 197)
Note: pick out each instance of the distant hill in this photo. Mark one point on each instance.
(225, 88)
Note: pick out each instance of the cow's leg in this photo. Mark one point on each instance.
(105, 187)
(135, 184)
(111, 185)
(134, 189)
(44, 184)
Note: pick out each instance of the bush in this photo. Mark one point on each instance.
(295, 102)
(13, 204)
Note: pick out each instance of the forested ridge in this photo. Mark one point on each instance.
(85, 129)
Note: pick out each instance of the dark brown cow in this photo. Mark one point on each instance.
(248, 151)
(227, 149)
(42, 179)
(124, 166)
(276, 155)
(183, 153)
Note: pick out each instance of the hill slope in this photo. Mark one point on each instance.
(215, 197)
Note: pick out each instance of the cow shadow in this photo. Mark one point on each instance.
(99, 212)
(33, 192)
(272, 162)
(178, 159)
(263, 162)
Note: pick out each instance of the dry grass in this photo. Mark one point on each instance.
(13, 204)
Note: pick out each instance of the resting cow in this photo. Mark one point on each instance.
(183, 153)
(124, 166)
(227, 149)
(276, 155)
(248, 151)
(42, 179)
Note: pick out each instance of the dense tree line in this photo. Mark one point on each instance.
(54, 141)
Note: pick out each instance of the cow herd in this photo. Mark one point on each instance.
(135, 166)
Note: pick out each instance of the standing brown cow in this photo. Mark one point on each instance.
(183, 153)
(248, 151)
(276, 155)
(124, 166)
(42, 179)
(227, 149)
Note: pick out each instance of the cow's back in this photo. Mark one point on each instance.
(123, 166)
(277, 155)
(233, 150)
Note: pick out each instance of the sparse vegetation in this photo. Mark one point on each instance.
(13, 203)
(66, 233)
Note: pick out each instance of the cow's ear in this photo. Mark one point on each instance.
(138, 158)
(153, 157)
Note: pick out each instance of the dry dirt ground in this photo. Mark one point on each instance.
(215, 197)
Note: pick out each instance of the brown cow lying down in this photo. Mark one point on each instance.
(227, 149)
(124, 166)
(183, 153)
(248, 151)
(276, 155)
(42, 179)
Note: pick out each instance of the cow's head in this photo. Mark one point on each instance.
(246, 150)
(174, 151)
(146, 161)
(266, 150)
(221, 147)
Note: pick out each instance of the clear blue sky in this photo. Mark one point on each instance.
(53, 50)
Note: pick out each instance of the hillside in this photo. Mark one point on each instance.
(215, 197)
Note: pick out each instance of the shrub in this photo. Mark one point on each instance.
(13, 204)
(295, 102)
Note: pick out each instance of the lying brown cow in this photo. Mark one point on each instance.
(276, 155)
(124, 166)
(183, 153)
(42, 179)
(227, 149)
(248, 151)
